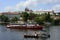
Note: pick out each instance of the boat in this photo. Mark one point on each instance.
(37, 36)
(31, 36)
(34, 27)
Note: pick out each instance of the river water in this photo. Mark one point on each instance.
(13, 34)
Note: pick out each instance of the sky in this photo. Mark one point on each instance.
(36, 5)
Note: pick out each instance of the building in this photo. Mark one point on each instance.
(11, 14)
(41, 12)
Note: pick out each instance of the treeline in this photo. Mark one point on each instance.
(37, 18)
(41, 19)
(4, 18)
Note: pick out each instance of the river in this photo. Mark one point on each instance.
(55, 33)
(13, 34)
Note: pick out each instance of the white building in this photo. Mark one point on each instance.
(41, 12)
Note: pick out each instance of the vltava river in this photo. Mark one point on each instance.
(55, 33)
(13, 34)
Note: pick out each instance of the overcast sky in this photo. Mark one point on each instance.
(19, 5)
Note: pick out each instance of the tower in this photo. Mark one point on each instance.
(26, 9)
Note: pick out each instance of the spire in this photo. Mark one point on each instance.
(26, 9)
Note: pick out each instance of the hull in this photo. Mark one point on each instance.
(26, 27)
(30, 36)
(33, 36)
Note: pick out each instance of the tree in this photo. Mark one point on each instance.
(14, 19)
(48, 17)
(56, 21)
(59, 13)
(31, 16)
(4, 18)
(38, 21)
(25, 16)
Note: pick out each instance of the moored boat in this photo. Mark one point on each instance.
(36, 27)
(31, 36)
(37, 36)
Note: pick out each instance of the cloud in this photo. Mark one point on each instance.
(27, 3)
(31, 4)
(19, 5)
(48, 1)
(56, 8)
(8, 8)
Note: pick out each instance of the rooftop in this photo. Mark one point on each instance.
(10, 13)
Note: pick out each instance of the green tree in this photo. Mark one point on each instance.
(4, 18)
(59, 13)
(25, 16)
(56, 21)
(39, 21)
(14, 19)
(31, 16)
(48, 17)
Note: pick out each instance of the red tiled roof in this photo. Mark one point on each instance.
(10, 13)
